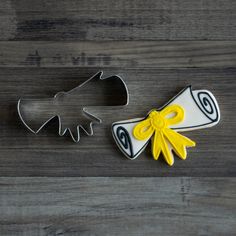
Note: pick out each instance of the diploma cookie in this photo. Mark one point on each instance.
(188, 110)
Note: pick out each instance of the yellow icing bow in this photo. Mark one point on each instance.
(164, 139)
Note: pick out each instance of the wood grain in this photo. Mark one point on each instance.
(118, 206)
(158, 47)
(118, 20)
(47, 154)
(133, 54)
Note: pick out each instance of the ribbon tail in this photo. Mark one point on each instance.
(178, 142)
(156, 145)
(159, 145)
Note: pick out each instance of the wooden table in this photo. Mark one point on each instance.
(52, 186)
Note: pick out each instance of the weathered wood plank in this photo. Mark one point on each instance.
(117, 20)
(161, 54)
(118, 206)
(47, 154)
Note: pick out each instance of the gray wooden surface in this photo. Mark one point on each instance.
(118, 206)
(117, 20)
(52, 186)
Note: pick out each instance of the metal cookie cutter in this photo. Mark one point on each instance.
(70, 107)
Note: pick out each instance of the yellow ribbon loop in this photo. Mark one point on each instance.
(164, 139)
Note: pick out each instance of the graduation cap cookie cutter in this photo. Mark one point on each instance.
(71, 107)
(188, 110)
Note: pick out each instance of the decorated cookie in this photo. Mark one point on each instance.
(188, 110)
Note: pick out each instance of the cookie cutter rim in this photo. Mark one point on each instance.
(86, 113)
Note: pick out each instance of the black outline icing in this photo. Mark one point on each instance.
(212, 110)
(132, 156)
(128, 144)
